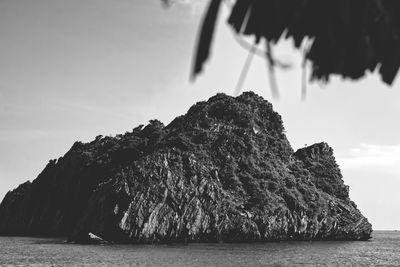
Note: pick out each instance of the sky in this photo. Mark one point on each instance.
(71, 70)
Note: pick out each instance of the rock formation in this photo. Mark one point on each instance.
(224, 171)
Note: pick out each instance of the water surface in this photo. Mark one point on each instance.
(382, 249)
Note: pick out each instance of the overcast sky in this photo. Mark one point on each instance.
(71, 70)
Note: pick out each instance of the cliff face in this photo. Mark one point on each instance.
(222, 172)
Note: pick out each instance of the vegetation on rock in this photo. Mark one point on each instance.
(224, 171)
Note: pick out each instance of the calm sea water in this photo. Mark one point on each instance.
(383, 249)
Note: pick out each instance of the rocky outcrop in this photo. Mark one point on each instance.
(224, 171)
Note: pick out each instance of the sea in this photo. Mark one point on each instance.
(382, 250)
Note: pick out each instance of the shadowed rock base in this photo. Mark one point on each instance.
(224, 171)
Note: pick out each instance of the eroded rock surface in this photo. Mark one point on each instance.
(224, 171)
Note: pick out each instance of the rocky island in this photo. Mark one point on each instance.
(224, 171)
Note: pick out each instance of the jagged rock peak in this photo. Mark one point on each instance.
(246, 110)
(316, 150)
(224, 171)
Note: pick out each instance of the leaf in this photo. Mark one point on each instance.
(205, 37)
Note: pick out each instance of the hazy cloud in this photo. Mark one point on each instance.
(12, 135)
(372, 157)
(1, 92)
(197, 6)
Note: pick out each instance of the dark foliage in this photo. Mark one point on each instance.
(348, 37)
(224, 170)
